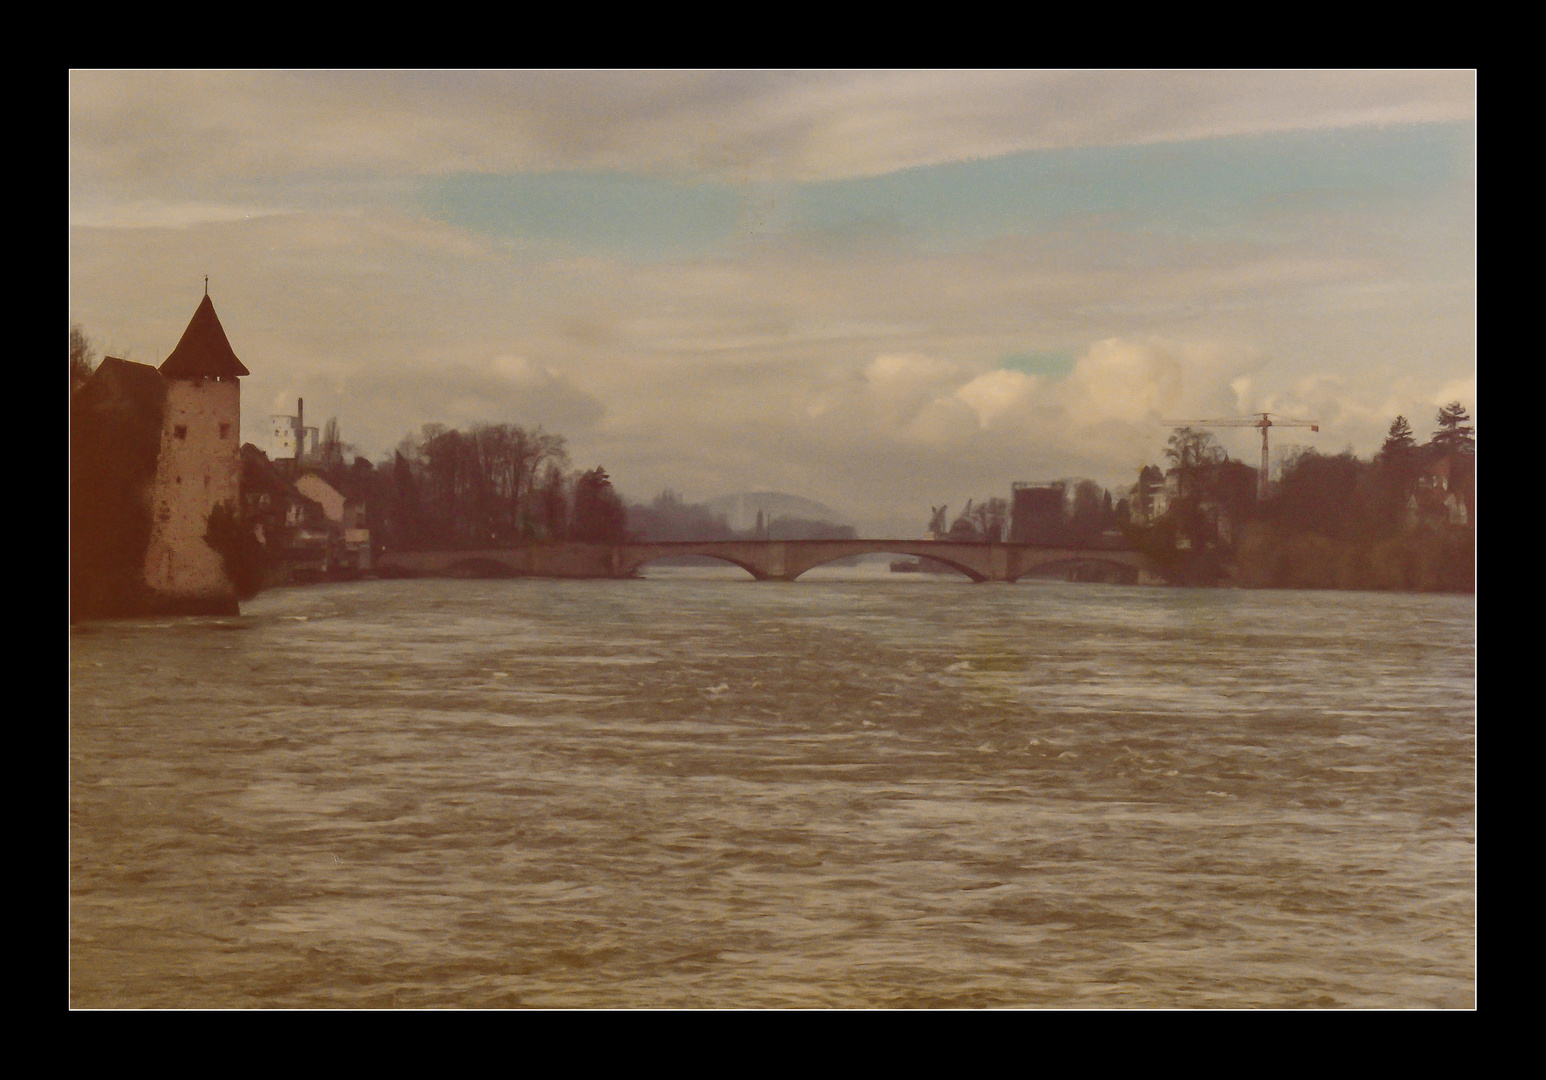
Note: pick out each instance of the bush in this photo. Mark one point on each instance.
(246, 561)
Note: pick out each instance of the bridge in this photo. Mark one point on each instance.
(765, 560)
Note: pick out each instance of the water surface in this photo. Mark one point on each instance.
(861, 789)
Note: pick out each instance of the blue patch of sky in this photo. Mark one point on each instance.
(618, 212)
(1198, 186)
(1047, 364)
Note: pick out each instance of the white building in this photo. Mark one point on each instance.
(289, 438)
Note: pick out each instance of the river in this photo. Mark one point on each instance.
(857, 790)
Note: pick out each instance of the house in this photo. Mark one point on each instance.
(346, 514)
(309, 527)
(1445, 492)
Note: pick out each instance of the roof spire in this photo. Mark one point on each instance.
(204, 349)
(206, 284)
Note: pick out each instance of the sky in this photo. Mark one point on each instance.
(880, 290)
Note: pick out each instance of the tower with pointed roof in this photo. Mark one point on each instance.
(197, 469)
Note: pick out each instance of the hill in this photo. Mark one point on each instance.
(741, 509)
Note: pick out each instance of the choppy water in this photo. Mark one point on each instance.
(858, 790)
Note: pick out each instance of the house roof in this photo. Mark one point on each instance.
(203, 349)
(116, 379)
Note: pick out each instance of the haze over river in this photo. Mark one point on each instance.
(860, 789)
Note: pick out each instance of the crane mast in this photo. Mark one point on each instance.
(1262, 421)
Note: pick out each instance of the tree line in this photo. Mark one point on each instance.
(1403, 519)
(493, 485)
(668, 517)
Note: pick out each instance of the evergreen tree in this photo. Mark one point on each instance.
(1389, 487)
(1455, 435)
(1399, 442)
(599, 514)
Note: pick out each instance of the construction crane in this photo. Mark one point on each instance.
(1257, 420)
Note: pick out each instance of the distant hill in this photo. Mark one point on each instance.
(741, 510)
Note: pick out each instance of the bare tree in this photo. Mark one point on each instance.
(82, 357)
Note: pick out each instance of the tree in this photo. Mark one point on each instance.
(1151, 481)
(1388, 487)
(115, 439)
(669, 518)
(333, 447)
(1455, 435)
(1399, 443)
(245, 560)
(1088, 518)
(599, 514)
(82, 355)
(553, 504)
(1319, 494)
(1190, 450)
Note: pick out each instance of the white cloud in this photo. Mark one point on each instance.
(1126, 380)
(996, 393)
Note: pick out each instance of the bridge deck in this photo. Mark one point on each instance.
(782, 560)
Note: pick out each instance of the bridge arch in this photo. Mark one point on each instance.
(960, 568)
(756, 572)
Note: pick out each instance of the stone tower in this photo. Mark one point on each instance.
(198, 468)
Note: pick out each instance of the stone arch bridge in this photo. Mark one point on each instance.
(765, 560)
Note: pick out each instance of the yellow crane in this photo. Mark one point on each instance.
(1257, 420)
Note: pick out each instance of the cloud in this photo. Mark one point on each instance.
(740, 126)
(503, 389)
(1462, 390)
(1126, 380)
(995, 393)
(871, 380)
(156, 214)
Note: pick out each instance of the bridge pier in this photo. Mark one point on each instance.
(777, 560)
(998, 563)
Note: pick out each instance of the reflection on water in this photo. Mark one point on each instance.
(861, 789)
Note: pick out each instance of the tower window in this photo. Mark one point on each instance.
(225, 431)
(181, 431)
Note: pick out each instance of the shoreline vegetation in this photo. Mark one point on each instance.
(1404, 520)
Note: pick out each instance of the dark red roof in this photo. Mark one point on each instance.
(203, 349)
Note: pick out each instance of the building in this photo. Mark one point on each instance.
(346, 515)
(289, 439)
(197, 469)
(1445, 492)
(153, 453)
